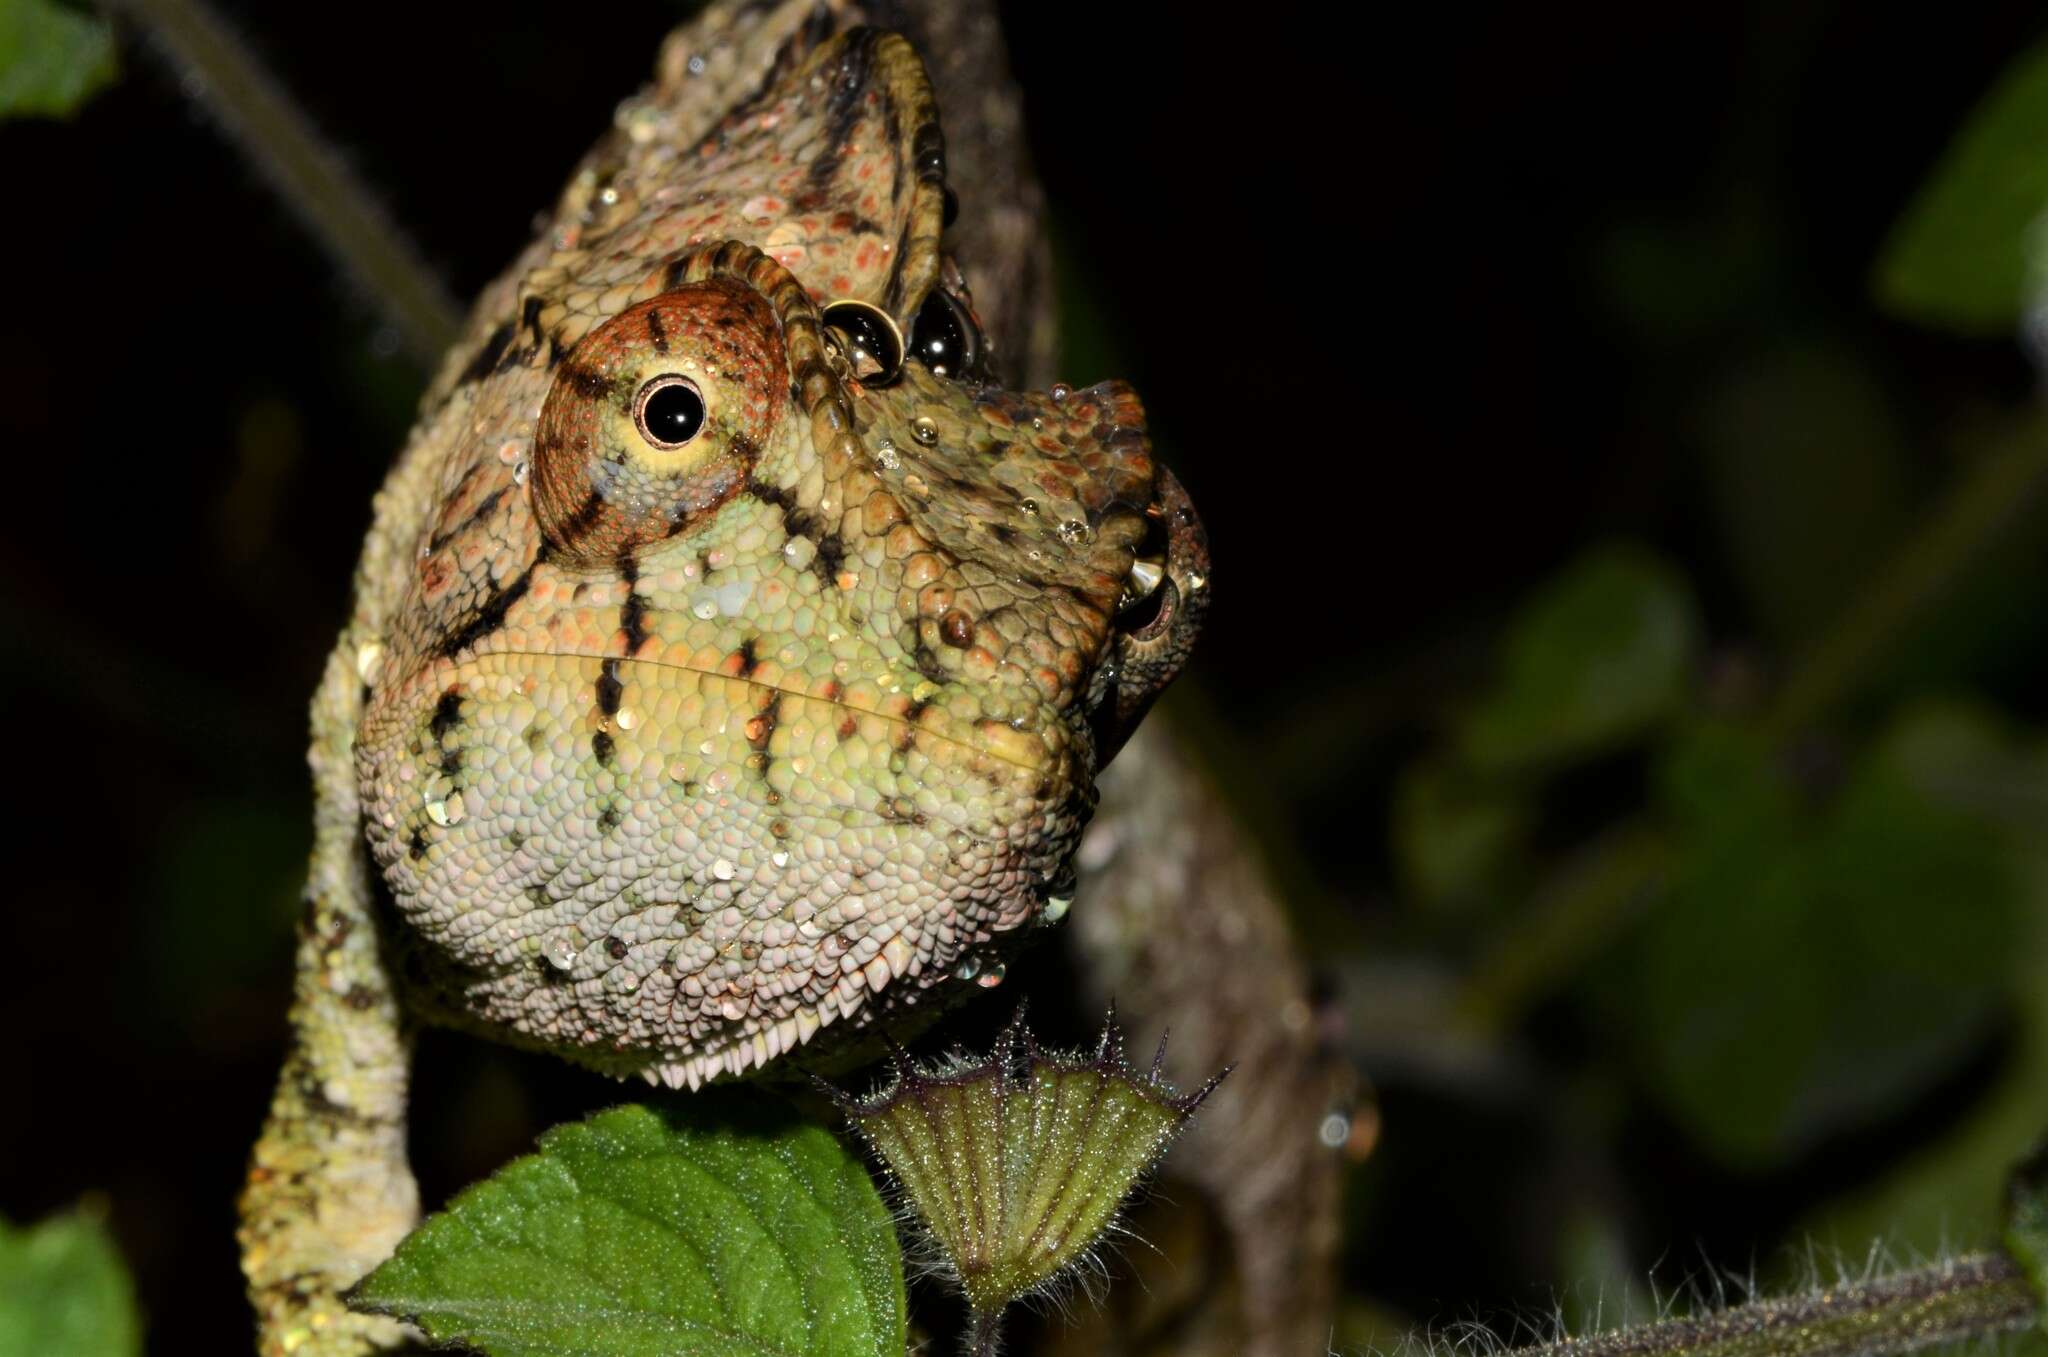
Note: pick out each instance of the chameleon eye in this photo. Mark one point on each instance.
(669, 411)
(656, 418)
(943, 337)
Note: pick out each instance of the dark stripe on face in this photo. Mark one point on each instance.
(483, 510)
(447, 714)
(590, 385)
(485, 360)
(657, 333)
(850, 84)
(633, 612)
(601, 746)
(746, 654)
(798, 522)
(610, 687)
(489, 617)
(579, 524)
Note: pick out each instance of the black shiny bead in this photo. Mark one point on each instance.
(943, 338)
(875, 343)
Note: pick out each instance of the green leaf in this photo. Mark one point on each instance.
(64, 1291)
(1600, 657)
(1455, 835)
(711, 1227)
(1966, 254)
(1814, 966)
(52, 58)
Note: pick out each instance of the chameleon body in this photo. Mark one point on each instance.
(731, 659)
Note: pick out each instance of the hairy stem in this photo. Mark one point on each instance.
(984, 1334)
(1976, 1296)
(304, 171)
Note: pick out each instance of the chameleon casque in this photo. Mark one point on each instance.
(731, 658)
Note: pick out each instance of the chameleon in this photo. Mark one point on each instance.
(732, 656)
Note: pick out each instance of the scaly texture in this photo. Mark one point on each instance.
(673, 754)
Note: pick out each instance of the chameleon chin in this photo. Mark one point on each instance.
(732, 657)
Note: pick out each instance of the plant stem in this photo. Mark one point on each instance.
(218, 70)
(1974, 515)
(984, 1336)
(1976, 1296)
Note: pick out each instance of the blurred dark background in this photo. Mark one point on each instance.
(1566, 309)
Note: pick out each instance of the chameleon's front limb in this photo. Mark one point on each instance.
(330, 1193)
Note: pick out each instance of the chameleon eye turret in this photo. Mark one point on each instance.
(656, 418)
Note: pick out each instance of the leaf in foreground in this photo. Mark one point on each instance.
(64, 1291)
(713, 1228)
(52, 58)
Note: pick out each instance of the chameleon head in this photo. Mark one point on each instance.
(764, 698)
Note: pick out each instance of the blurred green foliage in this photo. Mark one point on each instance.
(64, 1291)
(52, 58)
(1967, 255)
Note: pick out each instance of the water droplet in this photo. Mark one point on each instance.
(1334, 1131)
(886, 456)
(695, 65)
(722, 869)
(1060, 391)
(1030, 506)
(627, 719)
(445, 812)
(368, 656)
(521, 472)
(705, 608)
(779, 859)
(800, 552)
(1056, 907)
(967, 969)
(560, 952)
(993, 976)
(924, 430)
(1074, 532)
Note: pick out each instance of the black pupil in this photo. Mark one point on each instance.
(673, 414)
(939, 339)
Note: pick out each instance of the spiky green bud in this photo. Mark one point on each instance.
(1016, 1165)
